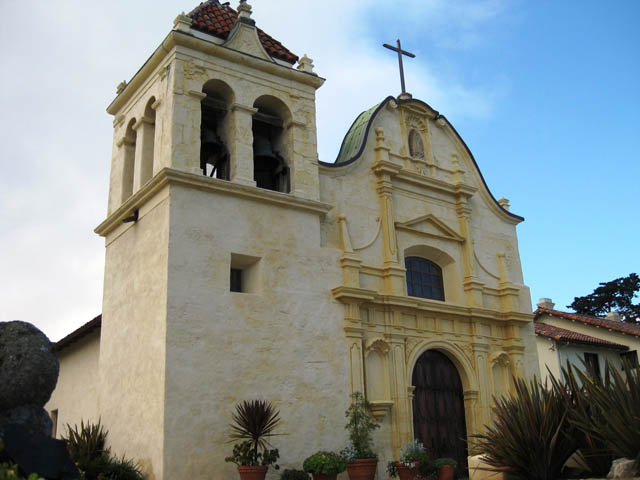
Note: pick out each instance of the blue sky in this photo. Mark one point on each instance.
(545, 94)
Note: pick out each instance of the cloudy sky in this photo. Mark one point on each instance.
(546, 94)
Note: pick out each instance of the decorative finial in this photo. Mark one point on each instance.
(504, 203)
(121, 86)
(244, 9)
(182, 23)
(305, 64)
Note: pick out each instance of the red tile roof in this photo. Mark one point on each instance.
(215, 19)
(564, 335)
(622, 327)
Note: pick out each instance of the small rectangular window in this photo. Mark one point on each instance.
(593, 365)
(236, 280)
(245, 274)
(630, 358)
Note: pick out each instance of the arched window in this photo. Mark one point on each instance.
(424, 278)
(129, 143)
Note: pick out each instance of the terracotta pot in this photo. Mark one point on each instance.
(252, 473)
(322, 476)
(445, 472)
(362, 469)
(408, 472)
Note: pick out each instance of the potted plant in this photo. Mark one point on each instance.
(445, 468)
(413, 463)
(254, 421)
(324, 465)
(290, 474)
(361, 461)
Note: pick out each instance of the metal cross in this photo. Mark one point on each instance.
(400, 53)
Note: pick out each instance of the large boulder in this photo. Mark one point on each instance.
(28, 365)
(32, 418)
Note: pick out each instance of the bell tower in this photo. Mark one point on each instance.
(214, 185)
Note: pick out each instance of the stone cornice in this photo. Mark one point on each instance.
(435, 184)
(169, 176)
(362, 295)
(176, 38)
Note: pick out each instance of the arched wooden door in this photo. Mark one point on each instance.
(438, 409)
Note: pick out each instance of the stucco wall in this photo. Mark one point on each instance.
(282, 343)
(76, 394)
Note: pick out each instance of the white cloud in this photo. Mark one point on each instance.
(63, 59)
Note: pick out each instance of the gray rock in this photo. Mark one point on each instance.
(28, 365)
(623, 468)
(32, 418)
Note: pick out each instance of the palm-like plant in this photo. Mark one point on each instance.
(617, 397)
(531, 435)
(255, 421)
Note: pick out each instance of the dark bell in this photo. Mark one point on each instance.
(262, 147)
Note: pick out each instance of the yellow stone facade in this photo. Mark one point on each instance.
(325, 310)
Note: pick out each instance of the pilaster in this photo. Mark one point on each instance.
(145, 138)
(400, 414)
(241, 144)
(483, 400)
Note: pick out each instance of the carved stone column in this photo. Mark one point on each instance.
(483, 406)
(472, 286)
(241, 144)
(400, 414)
(384, 169)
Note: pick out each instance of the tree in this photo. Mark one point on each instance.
(614, 296)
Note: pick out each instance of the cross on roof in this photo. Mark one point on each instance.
(400, 53)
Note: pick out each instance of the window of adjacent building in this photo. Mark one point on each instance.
(54, 423)
(424, 278)
(630, 358)
(244, 274)
(592, 364)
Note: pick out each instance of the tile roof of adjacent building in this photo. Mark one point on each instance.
(622, 327)
(564, 335)
(215, 19)
(79, 333)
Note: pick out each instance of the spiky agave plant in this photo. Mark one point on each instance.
(594, 454)
(86, 442)
(255, 420)
(530, 435)
(617, 395)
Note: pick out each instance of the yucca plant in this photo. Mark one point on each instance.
(616, 396)
(593, 452)
(531, 436)
(86, 442)
(255, 421)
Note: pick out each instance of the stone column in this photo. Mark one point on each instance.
(354, 333)
(482, 411)
(472, 286)
(241, 144)
(145, 137)
(400, 414)
(384, 169)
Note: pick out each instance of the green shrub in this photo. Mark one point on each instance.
(441, 462)
(531, 434)
(325, 463)
(360, 427)
(290, 474)
(87, 449)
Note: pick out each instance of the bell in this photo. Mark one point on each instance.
(262, 147)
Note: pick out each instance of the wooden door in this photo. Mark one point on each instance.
(438, 409)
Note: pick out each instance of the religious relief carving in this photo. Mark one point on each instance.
(416, 146)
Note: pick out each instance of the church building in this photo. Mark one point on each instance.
(239, 266)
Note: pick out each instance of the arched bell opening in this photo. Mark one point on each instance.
(439, 408)
(270, 145)
(214, 127)
(129, 144)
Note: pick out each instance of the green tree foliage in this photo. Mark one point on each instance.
(616, 295)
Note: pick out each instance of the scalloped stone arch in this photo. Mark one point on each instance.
(454, 353)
